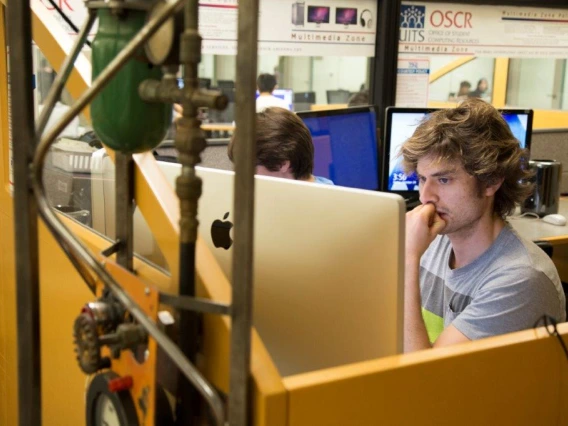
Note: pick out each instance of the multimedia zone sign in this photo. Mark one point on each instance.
(461, 29)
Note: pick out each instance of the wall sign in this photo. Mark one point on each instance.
(496, 31)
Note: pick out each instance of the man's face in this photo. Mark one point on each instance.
(454, 193)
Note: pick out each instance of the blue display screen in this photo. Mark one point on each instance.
(286, 95)
(403, 126)
(345, 146)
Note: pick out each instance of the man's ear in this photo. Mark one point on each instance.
(490, 190)
(285, 167)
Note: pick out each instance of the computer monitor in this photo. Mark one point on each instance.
(318, 14)
(305, 97)
(326, 291)
(346, 15)
(345, 145)
(401, 124)
(285, 94)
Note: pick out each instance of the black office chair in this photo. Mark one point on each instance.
(549, 250)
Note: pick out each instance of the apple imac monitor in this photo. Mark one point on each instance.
(401, 124)
(318, 14)
(345, 145)
(326, 291)
(346, 15)
(285, 94)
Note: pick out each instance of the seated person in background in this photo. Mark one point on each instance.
(463, 92)
(266, 84)
(479, 92)
(359, 98)
(284, 146)
(468, 274)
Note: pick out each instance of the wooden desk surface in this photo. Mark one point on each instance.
(220, 127)
(535, 229)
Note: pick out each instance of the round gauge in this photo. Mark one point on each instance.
(106, 408)
(163, 48)
(105, 412)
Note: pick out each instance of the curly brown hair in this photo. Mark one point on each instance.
(281, 136)
(475, 134)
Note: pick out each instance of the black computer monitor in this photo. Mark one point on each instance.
(345, 145)
(226, 84)
(305, 97)
(401, 124)
(346, 15)
(318, 14)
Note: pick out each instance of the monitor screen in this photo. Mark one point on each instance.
(401, 124)
(286, 94)
(346, 15)
(345, 144)
(318, 14)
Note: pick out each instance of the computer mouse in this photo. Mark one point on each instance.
(555, 219)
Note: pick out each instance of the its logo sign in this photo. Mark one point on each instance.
(412, 20)
(412, 16)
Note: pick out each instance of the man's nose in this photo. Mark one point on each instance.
(428, 192)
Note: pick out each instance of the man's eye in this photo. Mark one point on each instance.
(443, 181)
(422, 179)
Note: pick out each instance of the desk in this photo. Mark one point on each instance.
(219, 127)
(535, 229)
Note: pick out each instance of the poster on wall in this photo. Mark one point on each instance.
(294, 28)
(286, 27)
(496, 31)
(412, 82)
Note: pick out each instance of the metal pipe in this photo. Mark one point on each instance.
(190, 142)
(59, 84)
(124, 209)
(66, 238)
(245, 160)
(25, 215)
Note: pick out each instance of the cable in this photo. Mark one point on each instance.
(66, 19)
(548, 321)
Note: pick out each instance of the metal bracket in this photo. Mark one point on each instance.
(196, 304)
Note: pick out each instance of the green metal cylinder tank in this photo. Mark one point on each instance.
(122, 120)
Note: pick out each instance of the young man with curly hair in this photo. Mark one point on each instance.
(468, 274)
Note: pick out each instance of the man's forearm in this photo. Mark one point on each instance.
(415, 335)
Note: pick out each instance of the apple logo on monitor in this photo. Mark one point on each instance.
(220, 232)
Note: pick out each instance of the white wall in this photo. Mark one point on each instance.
(207, 66)
(335, 72)
(534, 80)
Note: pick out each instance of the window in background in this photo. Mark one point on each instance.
(538, 83)
(474, 78)
(309, 78)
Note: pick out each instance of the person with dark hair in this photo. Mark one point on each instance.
(359, 98)
(468, 274)
(479, 92)
(266, 84)
(463, 91)
(284, 146)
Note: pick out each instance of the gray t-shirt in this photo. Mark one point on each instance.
(508, 288)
